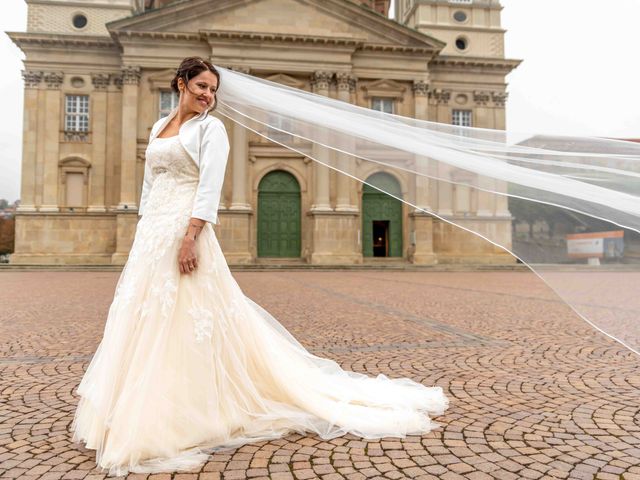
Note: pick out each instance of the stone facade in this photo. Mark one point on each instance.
(81, 186)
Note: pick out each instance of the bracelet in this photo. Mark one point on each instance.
(195, 234)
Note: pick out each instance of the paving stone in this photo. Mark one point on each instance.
(535, 392)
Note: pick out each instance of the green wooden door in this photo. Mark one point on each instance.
(279, 215)
(381, 217)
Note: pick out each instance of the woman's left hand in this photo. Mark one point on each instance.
(187, 260)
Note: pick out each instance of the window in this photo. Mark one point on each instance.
(168, 101)
(460, 16)
(76, 118)
(461, 118)
(382, 104)
(462, 43)
(79, 21)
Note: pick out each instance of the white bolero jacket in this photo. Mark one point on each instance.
(205, 139)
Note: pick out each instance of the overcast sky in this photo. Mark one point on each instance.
(580, 74)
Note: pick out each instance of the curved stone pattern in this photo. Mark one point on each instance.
(534, 392)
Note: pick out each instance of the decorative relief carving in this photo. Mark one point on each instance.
(116, 78)
(130, 75)
(320, 80)
(420, 88)
(499, 98)
(53, 79)
(31, 79)
(440, 96)
(100, 81)
(346, 81)
(481, 98)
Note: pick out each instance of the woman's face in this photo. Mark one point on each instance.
(201, 93)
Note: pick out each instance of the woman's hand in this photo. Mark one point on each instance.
(187, 261)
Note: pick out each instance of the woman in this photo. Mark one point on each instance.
(188, 363)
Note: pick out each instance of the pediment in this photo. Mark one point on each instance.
(383, 88)
(342, 19)
(286, 80)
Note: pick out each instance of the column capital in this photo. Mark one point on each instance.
(320, 80)
(100, 81)
(346, 81)
(53, 79)
(31, 78)
(420, 88)
(481, 98)
(499, 98)
(130, 75)
(440, 96)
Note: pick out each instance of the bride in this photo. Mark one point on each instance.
(188, 364)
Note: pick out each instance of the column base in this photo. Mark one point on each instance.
(240, 207)
(347, 208)
(49, 208)
(96, 208)
(321, 208)
(26, 208)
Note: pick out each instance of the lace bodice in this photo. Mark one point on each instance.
(167, 155)
(174, 182)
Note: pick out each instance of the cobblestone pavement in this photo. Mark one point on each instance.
(535, 392)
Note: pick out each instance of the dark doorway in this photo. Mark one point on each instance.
(380, 238)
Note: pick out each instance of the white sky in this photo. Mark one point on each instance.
(580, 74)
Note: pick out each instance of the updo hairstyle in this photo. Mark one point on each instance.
(191, 67)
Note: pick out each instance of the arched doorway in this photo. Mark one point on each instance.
(278, 215)
(381, 217)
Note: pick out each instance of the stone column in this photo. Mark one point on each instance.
(345, 184)
(52, 80)
(32, 81)
(502, 201)
(126, 218)
(98, 142)
(440, 99)
(239, 158)
(422, 235)
(129, 141)
(320, 85)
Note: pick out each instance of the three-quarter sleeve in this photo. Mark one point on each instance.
(214, 152)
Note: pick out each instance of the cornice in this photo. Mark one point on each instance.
(352, 42)
(133, 34)
(30, 39)
(458, 62)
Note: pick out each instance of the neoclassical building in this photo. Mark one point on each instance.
(97, 76)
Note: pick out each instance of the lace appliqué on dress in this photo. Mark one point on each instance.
(202, 322)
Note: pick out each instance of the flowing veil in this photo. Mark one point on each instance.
(567, 207)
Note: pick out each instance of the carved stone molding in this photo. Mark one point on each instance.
(499, 98)
(481, 98)
(53, 79)
(31, 79)
(116, 79)
(100, 81)
(440, 96)
(241, 69)
(420, 88)
(130, 75)
(346, 81)
(320, 80)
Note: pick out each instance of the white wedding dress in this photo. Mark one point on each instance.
(188, 364)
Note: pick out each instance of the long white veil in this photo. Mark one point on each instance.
(568, 207)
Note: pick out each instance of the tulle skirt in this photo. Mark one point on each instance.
(189, 365)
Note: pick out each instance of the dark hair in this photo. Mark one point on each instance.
(191, 67)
